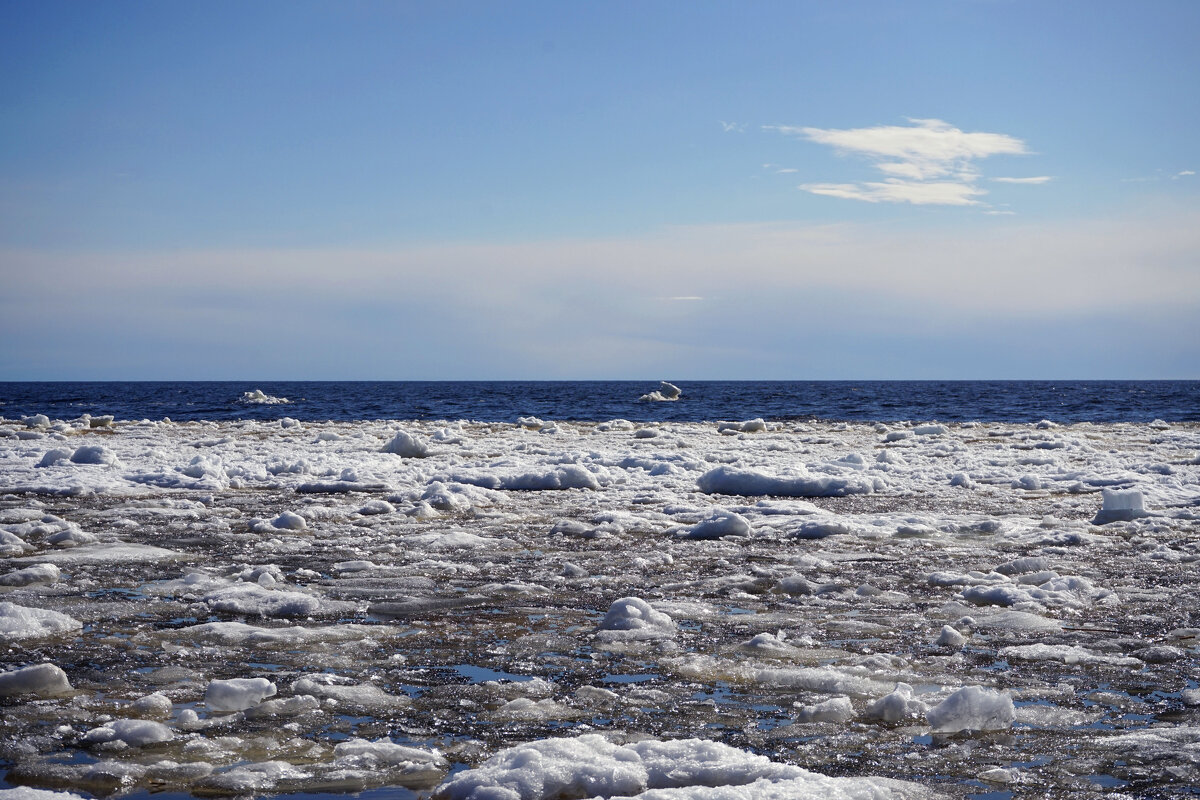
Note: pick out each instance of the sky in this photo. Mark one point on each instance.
(869, 189)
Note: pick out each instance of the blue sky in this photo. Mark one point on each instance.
(368, 190)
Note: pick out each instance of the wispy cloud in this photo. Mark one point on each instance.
(1034, 181)
(1184, 173)
(733, 127)
(929, 162)
(941, 193)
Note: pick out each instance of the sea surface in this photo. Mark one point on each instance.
(505, 401)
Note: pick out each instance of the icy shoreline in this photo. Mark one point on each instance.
(256, 607)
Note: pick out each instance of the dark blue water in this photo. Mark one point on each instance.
(947, 401)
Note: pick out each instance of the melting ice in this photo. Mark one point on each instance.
(559, 610)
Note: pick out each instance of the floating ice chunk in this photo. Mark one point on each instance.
(523, 709)
(43, 680)
(569, 476)
(286, 707)
(897, 706)
(289, 521)
(365, 696)
(1120, 506)
(932, 429)
(729, 480)
(973, 708)
(407, 445)
(93, 454)
(71, 537)
(133, 732)
(756, 425)
(767, 643)
(38, 573)
(666, 392)
(1024, 565)
(259, 397)
(1160, 654)
(27, 793)
(89, 551)
(828, 680)
(835, 709)
(36, 421)
(246, 779)
(252, 598)
(634, 618)
(237, 694)
(720, 522)
(687, 769)
(820, 528)
(1066, 654)
(1056, 591)
(288, 422)
(12, 545)
(21, 622)
(387, 753)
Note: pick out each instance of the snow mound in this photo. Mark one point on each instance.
(591, 766)
(93, 454)
(720, 522)
(666, 392)
(407, 445)
(729, 480)
(973, 708)
(632, 618)
(289, 521)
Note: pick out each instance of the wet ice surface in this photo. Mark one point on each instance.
(246, 608)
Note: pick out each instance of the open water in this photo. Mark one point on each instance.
(492, 401)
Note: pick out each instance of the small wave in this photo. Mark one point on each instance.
(666, 392)
(258, 397)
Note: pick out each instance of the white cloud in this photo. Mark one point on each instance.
(929, 162)
(1035, 181)
(1183, 173)
(733, 127)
